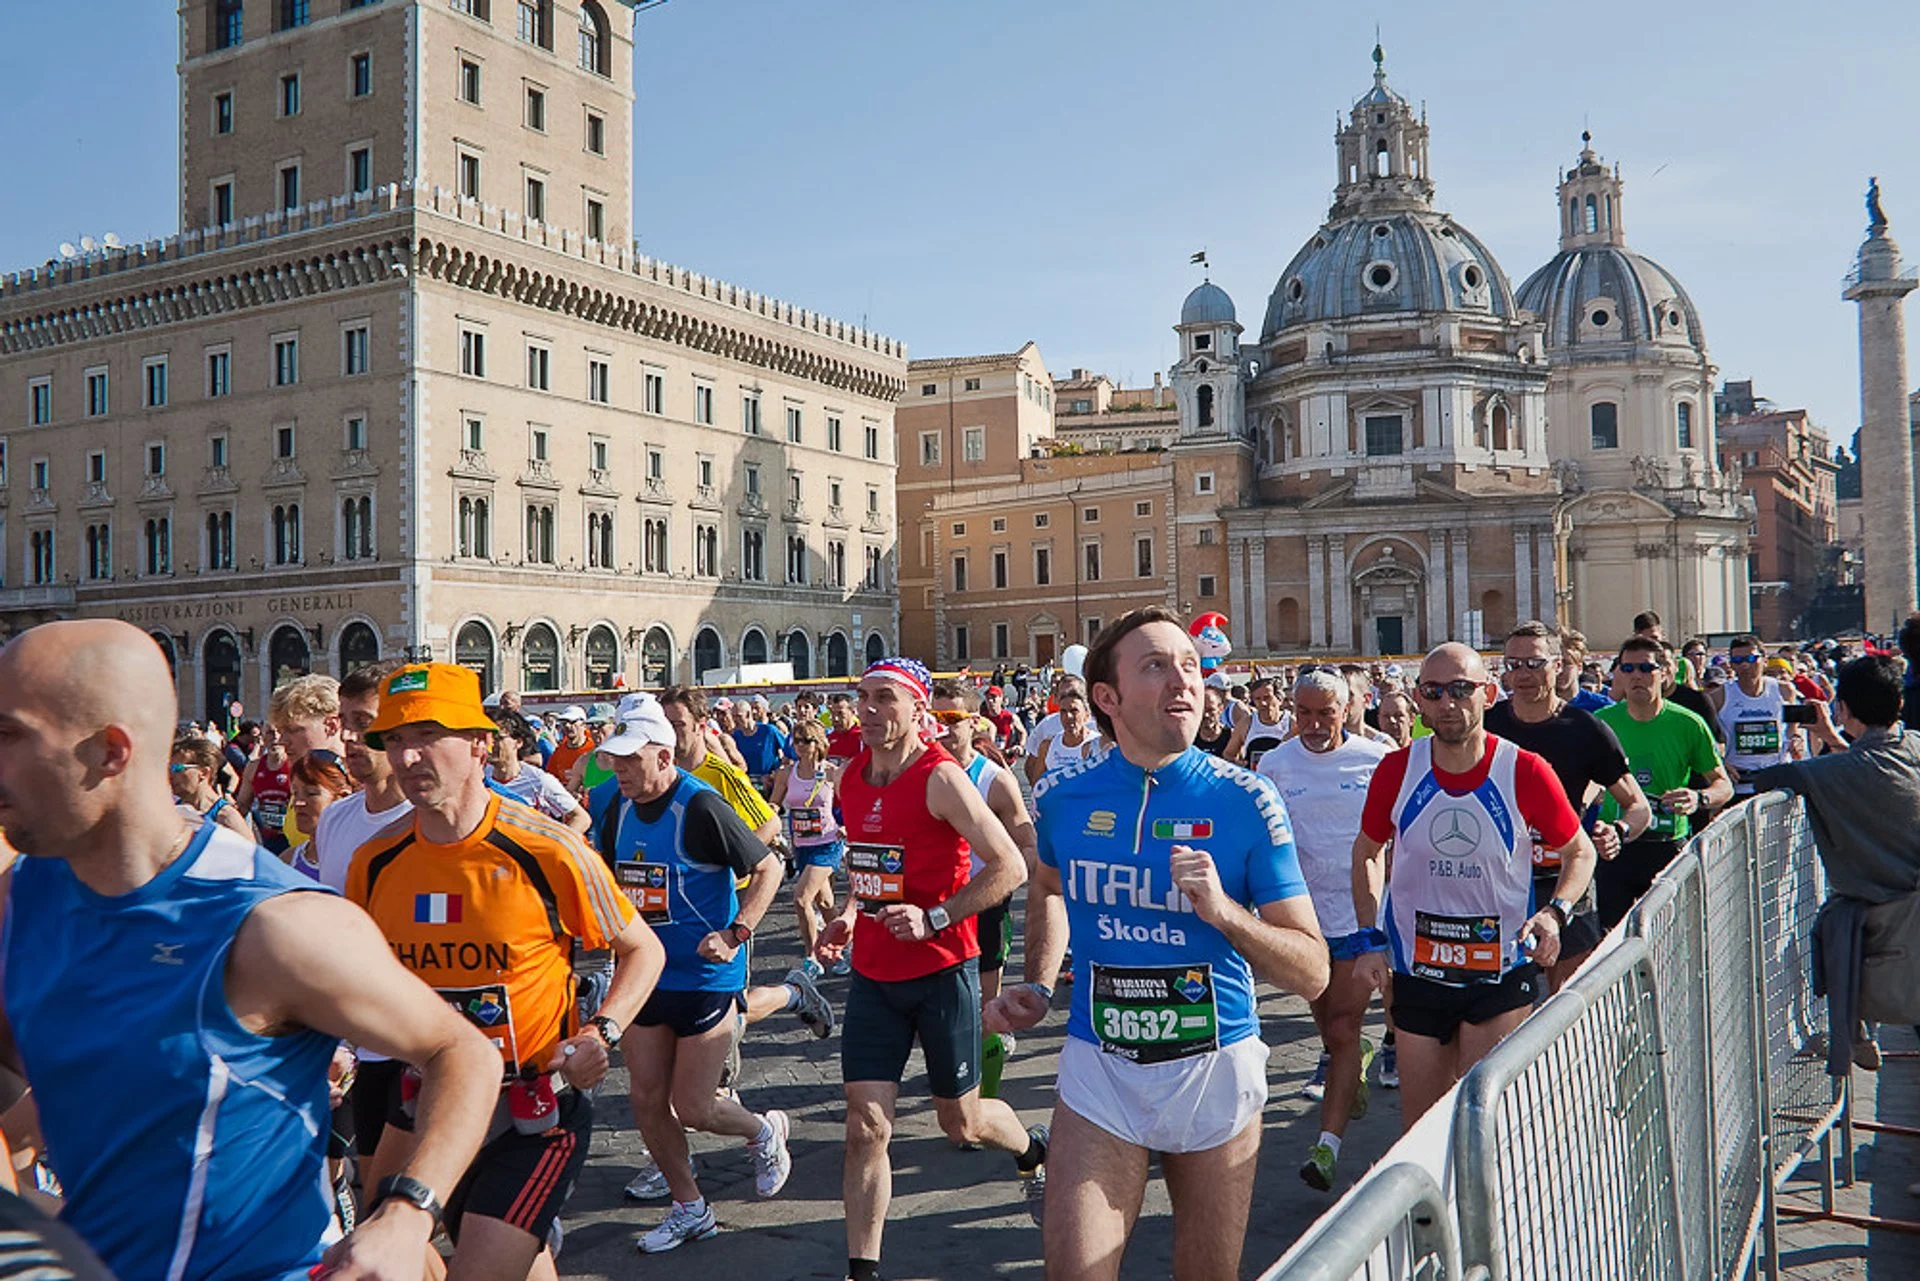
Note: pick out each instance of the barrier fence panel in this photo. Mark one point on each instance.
(1396, 1229)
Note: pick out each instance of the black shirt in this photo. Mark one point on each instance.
(1697, 702)
(1578, 745)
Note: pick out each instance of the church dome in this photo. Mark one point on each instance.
(1208, 304)
(1599, 295)
(1373, 264)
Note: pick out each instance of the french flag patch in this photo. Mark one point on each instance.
(436, 909)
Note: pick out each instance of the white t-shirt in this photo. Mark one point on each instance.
(343, 829)
(1049, 727)
(538, 789)
(1325, 793)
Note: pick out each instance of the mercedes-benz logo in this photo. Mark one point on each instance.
(1454, 832)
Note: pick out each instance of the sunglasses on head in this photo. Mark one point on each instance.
(1458, 691)
(1743, 658)
(1534, 664)
(1640, 667)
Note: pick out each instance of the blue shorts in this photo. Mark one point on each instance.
(827, 856)
(1351, 947)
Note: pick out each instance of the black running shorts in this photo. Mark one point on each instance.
(941, 1010)
(1426, 1008)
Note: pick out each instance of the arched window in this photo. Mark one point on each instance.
(220, 663)
(356, 527)
(165, 642)
(753, 647)
(800, 654)
(360, 647)
(876, 647)
(473, 650)
(1593, 214)
(706, 653)
(540, 660)
(1204, 404)
(656, 658)
(1498, 421)
(1683, 423)
(593, 40)
(837, 655)
(603, 657)
(1382, 159)
(288, 655)
(286, 534)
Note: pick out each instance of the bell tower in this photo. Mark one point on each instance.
(1209, 379)
(1590, 212)
(1383, 152)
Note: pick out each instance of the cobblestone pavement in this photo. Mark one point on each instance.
(955, 1214)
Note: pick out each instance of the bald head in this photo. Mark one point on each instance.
(91, 673)
(1453, 662)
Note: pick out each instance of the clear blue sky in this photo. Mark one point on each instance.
(970, 176)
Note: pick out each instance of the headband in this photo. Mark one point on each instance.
(909, 673)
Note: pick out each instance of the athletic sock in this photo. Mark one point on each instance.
(697, 1206)
(863, 1269)
(793, 997)
(1332, 1140)
(1388, 1038)
(766, 1132)
(1030, 1160)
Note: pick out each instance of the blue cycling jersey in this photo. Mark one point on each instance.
(1148, 973)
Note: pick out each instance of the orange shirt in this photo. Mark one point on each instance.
(489, 922)
(563, 758)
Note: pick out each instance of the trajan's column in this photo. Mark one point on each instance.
(1879, 285)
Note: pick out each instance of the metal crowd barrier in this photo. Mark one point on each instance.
(1641, 1122)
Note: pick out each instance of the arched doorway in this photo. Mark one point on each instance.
(876, 647)
(837, 655)
(753, 647)
(473, 649)
(288, 655)
(220, 667)
(165, 642)
(540, 660)
(800, 654)
(656, 658)
(603, 657)
(359, 647)
(706, 654)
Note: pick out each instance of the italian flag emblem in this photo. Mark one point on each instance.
(1182, 829)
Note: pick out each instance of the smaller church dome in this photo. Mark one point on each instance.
(1208, 304)
(1601, 295)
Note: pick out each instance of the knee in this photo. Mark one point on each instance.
(1342, 1032)
(695, 1111)
(868, 1131)
(651, 1097)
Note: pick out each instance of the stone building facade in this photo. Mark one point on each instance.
(375, 409)
(1785, 464)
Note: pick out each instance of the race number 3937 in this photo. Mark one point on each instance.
(877, 874)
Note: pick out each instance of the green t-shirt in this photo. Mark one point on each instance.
(1664, 753)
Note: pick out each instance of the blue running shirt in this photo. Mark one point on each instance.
(1109, 828)
(189, 1147)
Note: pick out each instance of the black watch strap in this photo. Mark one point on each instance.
(406, 1188)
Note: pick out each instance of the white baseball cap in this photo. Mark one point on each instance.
(1216, 680)
(638, 722)
(573, 713)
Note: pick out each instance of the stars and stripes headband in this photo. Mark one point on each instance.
(909, 673)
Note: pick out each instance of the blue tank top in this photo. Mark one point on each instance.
(682, 898)
(1152, 981)
(189, 1147)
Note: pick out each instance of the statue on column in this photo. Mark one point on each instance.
(1876, 217)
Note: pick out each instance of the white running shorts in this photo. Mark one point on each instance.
(1188, 1105)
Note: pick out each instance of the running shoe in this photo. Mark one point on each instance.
(651, 1183)
(772, 1163)
(815, 1010)
(1389, 1066)
(1008, 1044)
(683, 1224)
(1034, 1178)
(1317, 1170)
(812, 967)
(1359, 1108)
(1316, 1086)
(844, 966)
(556, 1238)
(343, 1202)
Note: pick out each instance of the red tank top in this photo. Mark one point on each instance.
(898, 852)
(272, 789)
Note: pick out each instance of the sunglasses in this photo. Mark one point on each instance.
(322, 756)
(1743, 658)
(1648, 668)
(950, 716)
(1527, 664)
(180, 767)
(1458, 691)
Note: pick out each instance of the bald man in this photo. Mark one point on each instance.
(126, 926)
(1458, 928)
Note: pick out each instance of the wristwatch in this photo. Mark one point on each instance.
(1562, 908)
(1622, 829)
(937, 918)
(740, 931)
(401, 1187)
(608, 1029)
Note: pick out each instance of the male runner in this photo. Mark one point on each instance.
(1751, 717)
(1256, 735)
(266, 789)
(1573, 661)
(575, 743)
(675, 848)
(1048, 727)
(1465, 943)
(489, 901)
(511, 773)
(1666, 746)
(760, 741)
(1587, 759)
(1157, 848)
(1008, 735)
(1322, 774)
(843, 737)
(912, 817)
(1076, 739)
(1396, 714)
(1214, 735)
(202, 1155)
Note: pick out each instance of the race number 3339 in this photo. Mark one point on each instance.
(877, 874)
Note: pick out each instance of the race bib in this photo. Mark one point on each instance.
(1665, 822)
(1456, 949)
(649, 887)
(877, 873)
(1756, 738)
(487, 1008)
(1544, 859)
(808, 821)
(1155, 1014)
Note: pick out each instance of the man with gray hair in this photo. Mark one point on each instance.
(1322, 773)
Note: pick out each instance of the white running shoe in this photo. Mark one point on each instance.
(683, 1224)
(772, 1163)
(651, 1183)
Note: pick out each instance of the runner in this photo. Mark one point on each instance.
(318, 784)
(675, 848)
(265, 789)
(1163, 1050)
(1573, 662)
(1047, 728)
(760, 741)
(490, 901)
(1322, 774)
(1587, 759)
(843, 742)
(1214, 736)
(1076, 740)
(1264, 729)
(805, 789)
(511, 773)
(916, 974)
(196, 762)
(1752, 717)
(1667, 746)
(1008, 735)
(207, 1160)
(574, 743)
(1465, 944)
(1396, 714)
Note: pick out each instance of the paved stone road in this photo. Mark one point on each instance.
(955, 1214)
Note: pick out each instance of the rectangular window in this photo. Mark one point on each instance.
(470, 82)
(597, 451)
(286, 361)
(219, 374)
(596, 219)
(1206, 584)
(752, 473)
(1090, 516)
(469, 175)
(361, 76)
(750, 415)
(1042, 519)
(156, 458)
(833, 492)
(1092, 553)
(971, 384)
(223, 112)
(929, 449)
(1203, 483)
(999, 524)
(40, 473)
(221, 213)
(705, 472)
(290, 94)
(653, 392)
(1000, 640)
(473, 353)
(1093, 629)
(596, 134)
(794, 487)
(1604, 420)
(599, 380)
(536, 200)
(973, 445)
(536, 109)
(960, 529)
(355, 350)
(156, 383)
(216, 451)
(356, 432)
(539, 367)
(1143, 508)
(793, 424)
(960, 654)
(1143, 557)
(1683, 422)
(360, 171)
(294, 13)
(873, 500)
(1000, 571)
(227, 25)
(929, 389)
(40, 402)
(1043, 567)
(656, 464)
(1205, 537)
(97, 467)
(98, 400)
(538, 446)
(289, 188)
(1384, 435)
(833, 432)
(703, 403)
(873, 440)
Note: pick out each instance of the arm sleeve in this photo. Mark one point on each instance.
(717, 836)
(1543, 802)
(1376, 820)
(1273, 870)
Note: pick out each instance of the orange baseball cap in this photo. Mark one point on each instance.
(437, 693)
